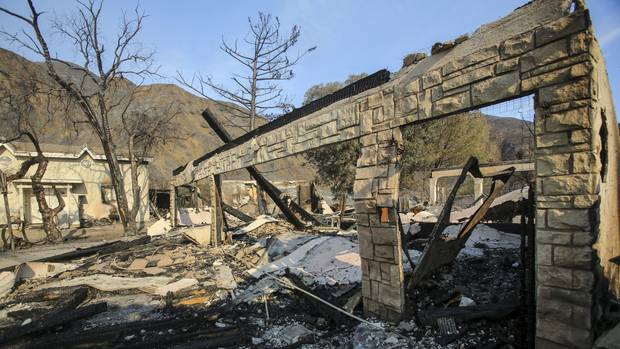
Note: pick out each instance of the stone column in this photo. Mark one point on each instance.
(478, 188)
(567, 170)
(432, 188)
(376, 197)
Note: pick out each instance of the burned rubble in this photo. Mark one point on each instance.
(529, 267)
(273, 286)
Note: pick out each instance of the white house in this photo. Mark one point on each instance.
(80, 173)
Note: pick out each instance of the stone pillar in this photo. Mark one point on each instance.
(567, 170)
(376, 197)
(478, 188)
(432, 188)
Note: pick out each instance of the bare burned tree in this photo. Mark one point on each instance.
(146, 132)
(100, 76)
(265, 62)
(22, 122)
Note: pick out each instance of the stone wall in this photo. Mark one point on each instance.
(543, 48)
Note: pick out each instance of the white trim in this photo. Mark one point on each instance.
(17, 153)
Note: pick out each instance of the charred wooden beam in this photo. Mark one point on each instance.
(273, 192)
(236, 213)
(440, 251)
(51, 321)
(463, 314)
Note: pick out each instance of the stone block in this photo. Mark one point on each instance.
(347, 116)
(563, 27)
(565, 335)
(551, 309)
(391, 296)
(495, 89)
(363, 189)
(371, 172)
(436, 93)
(568, 92)
(366, 206)
(365, 241)
(580, 43)
(582, 239)
(407, 105)
(582, 298)
(569, 184)
(555, 77)
(384, 253)
(551, 165)
(414, 86)
(568, 219)
(544, 254)
(582, 316)
(517, 45)
(551, 139)
(568, 120)
(574, 257)
(431, 79)
(387, 199)
(425, 105)
(507, 65)
(585, 201)
(468, 78)
(580, 136)
(387, 155)
(374, 268)
(554, 276)
(375, 100)
(553, 237)
(362, 219)
(471, 59)
(378, 116)
(544, 55)
(585, 162)
(368, 156)
(366, 290)
(583, 280)
(396, 275)
(384, 236)
(451, 104)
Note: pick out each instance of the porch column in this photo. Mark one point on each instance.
(432, 187)
(376, 197)
(478, 188)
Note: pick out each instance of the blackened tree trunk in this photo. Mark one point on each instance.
(48, 214)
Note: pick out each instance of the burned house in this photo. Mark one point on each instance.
(547, 49)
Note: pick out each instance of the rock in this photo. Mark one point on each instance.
(164, 261)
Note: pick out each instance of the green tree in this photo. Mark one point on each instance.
(446, 142)
(335, 163)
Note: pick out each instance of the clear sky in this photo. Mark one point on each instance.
(351, 36)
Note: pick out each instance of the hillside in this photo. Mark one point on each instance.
(195, 136)
(514, 137)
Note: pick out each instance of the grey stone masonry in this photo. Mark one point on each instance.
(376, 195)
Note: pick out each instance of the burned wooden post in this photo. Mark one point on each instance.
(173, 206)
(273, 192)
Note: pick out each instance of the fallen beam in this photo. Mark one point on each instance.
(236, 213)
(441, 251)
(273, 192)
(494, 311)
(51, 321)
